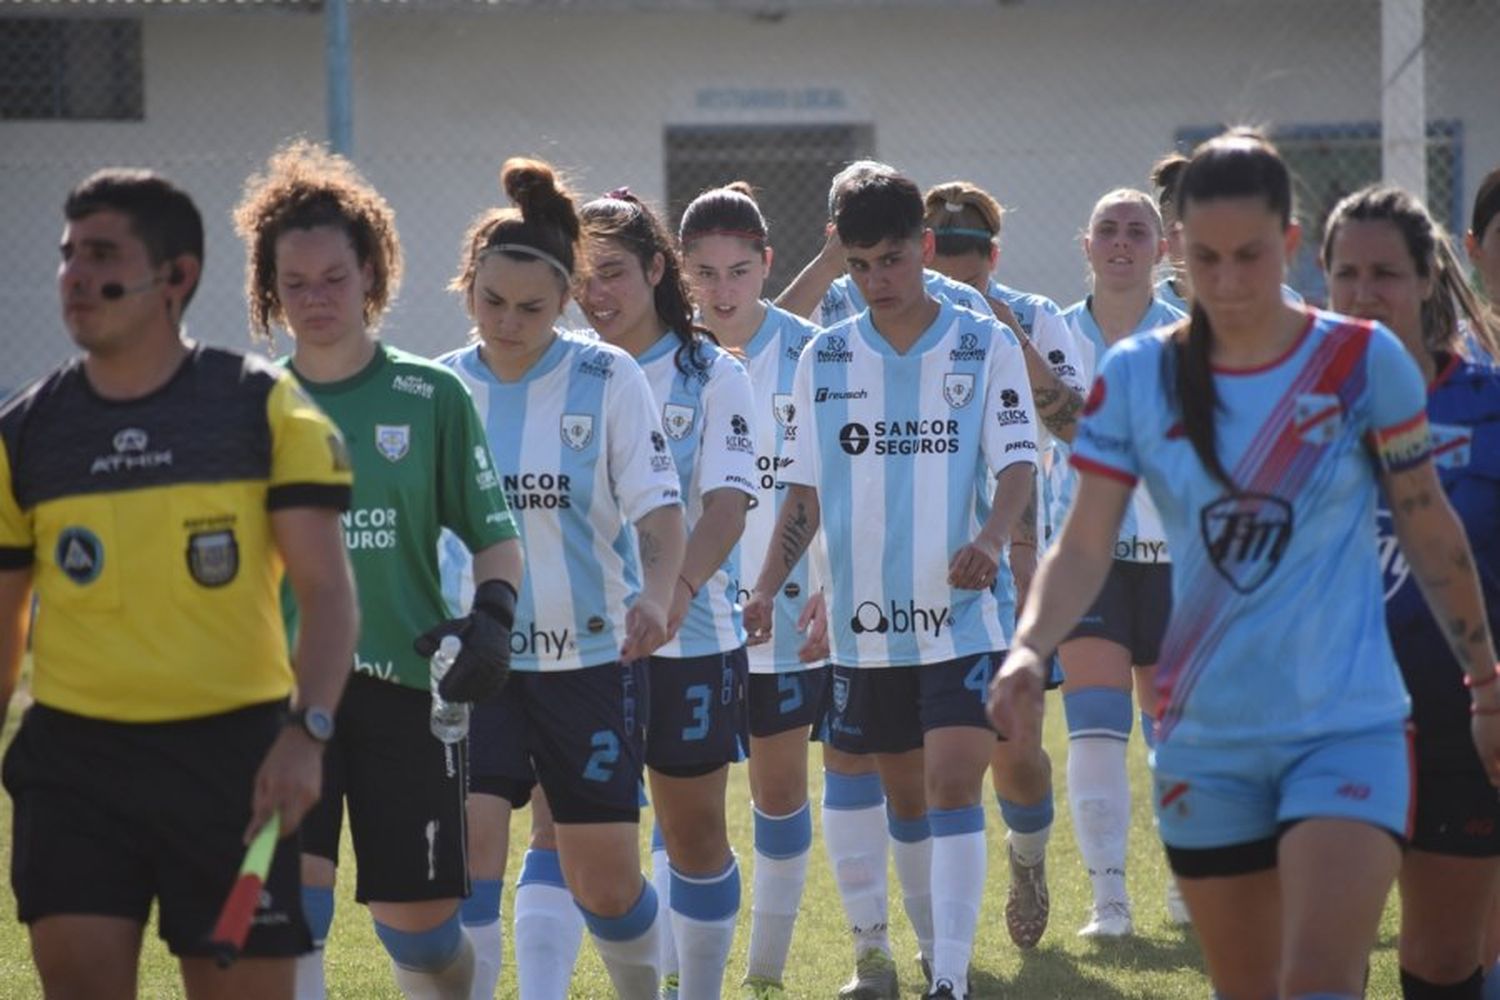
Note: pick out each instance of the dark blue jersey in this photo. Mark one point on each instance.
(1463, 408)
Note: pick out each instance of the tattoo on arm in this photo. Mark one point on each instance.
(1415, 502)
(1025, 529)
(795, 536)
(650, 549)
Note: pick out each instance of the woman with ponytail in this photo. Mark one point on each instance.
(574, 432)
(637, 299)
(727, 254)
(1263, 432)
(1386, 260)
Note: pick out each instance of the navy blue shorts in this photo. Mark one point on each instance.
(697, 718)
(110, 816)
(1132, 610)
(580, 733)
(888, 709)
(1457, 809)
(785, 701)
(403, 786)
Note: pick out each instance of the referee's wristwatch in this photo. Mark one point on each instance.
(316, 722)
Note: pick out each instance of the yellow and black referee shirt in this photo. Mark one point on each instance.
(147, 523)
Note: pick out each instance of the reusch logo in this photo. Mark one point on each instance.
(1246, 536)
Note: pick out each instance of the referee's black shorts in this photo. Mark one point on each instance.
(110, 816)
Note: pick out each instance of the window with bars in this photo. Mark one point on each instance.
(71, 69)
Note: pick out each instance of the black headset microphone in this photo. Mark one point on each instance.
(113, 291)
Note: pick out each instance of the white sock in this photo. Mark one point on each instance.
(630, 946)
(548, 932)
(911, 846)
(1030, 848)
(310, 984)
(704, 910)
(1099, 722)
(958, 870)
(452, 982)
(481, 918)
(780, 876)
(854, 835)
(661, 881)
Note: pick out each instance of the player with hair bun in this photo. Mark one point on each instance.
(727, 256)
(1386, 260)
(637, 299)
(323, 263)
(577, 446)
(1264, 432)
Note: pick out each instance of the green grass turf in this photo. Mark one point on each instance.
(1161, 962)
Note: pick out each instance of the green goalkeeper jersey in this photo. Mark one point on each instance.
(421, 464)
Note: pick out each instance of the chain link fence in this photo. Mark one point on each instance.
(1046, 103)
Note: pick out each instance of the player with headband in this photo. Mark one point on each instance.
(323, 263)
(151, 492)
(727, 256)
(636, 298)
(577, 440)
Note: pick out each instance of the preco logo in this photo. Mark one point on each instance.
(968, 349)
(823, 394)
(834, 350)
(896, 619)
(901, 437)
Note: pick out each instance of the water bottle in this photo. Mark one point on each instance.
(450, 720)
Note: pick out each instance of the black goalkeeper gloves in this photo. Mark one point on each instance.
(484, 663)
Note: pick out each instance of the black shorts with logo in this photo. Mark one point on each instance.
(1132, 610)
(784, 701)
(581, 733)
(1456, 810)
(110, 816)
(405, 792)
(889, 709)
(698, 715)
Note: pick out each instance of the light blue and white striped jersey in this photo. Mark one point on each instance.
(1141, 537)
(1167, 292)
(707, 416)
(581, 458)
(1278, 617)
(900, 448)
(771, 359)
(842, 300)
(1041, 321)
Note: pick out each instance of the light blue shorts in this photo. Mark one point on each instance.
(1220, 796)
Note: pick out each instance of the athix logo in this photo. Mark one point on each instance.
(968, 349)
(823, 394)
(896, 619)
(1246, 536)
(130, 453)
(834, 350)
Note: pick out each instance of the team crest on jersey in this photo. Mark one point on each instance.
(577, 430)
(677, 420)
(958, 389)
(1451, 446)
(782, 408)
(79, 554)
(393, 440)
(213, 557)
(1318, 417)
(1246, 535)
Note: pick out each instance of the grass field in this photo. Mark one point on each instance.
(1161, 962)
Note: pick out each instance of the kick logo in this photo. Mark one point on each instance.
(1246, 536)
(958, 389)
(1318, 417)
